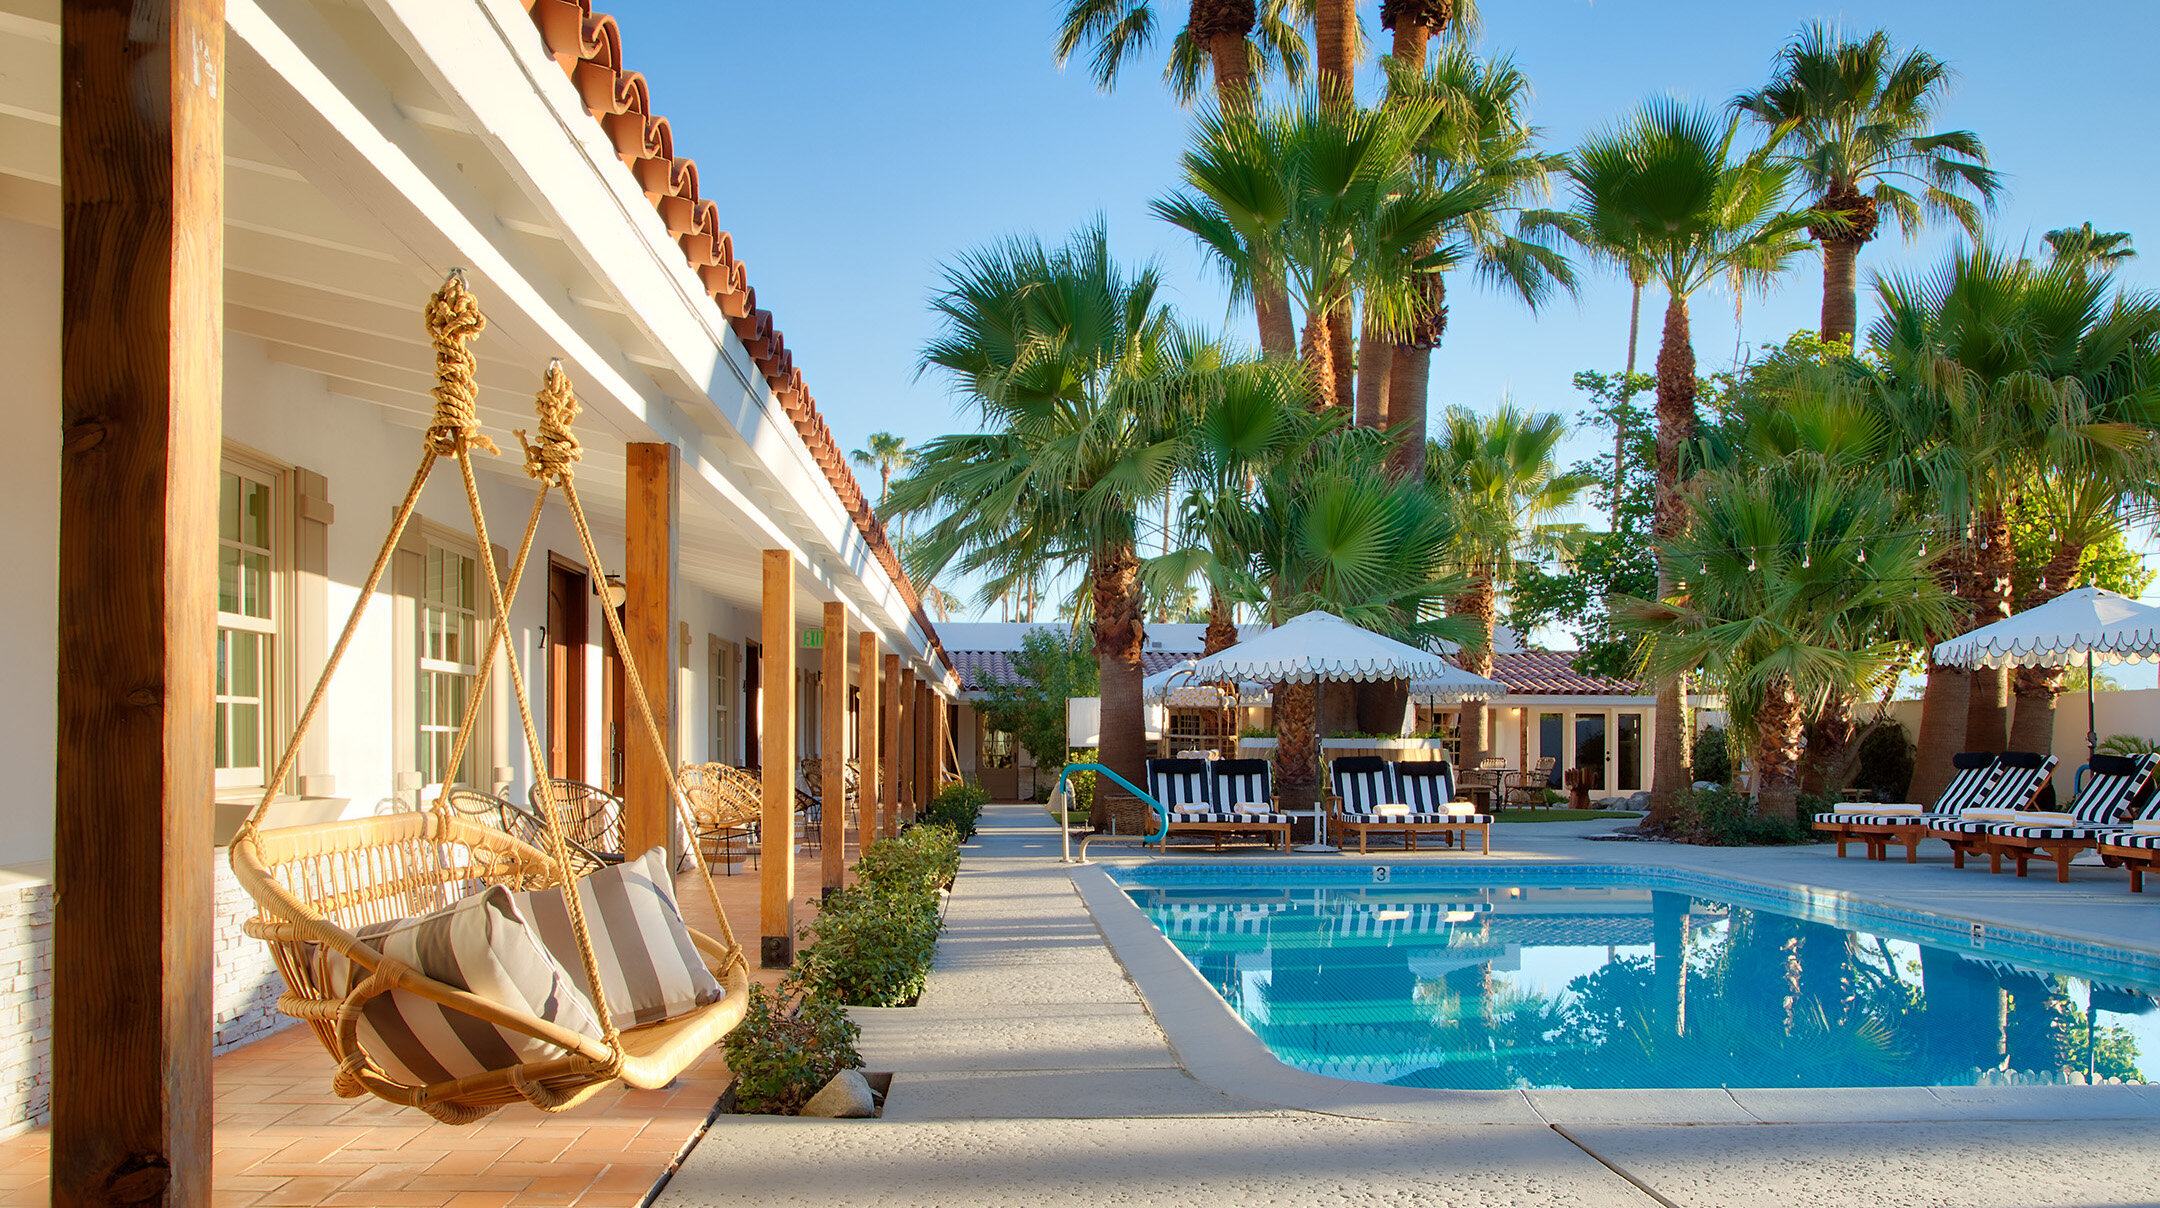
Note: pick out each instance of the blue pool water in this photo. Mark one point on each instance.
(1561, 977)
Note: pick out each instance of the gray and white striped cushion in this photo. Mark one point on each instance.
(648, 964)
(1243, 782)
(484, 944)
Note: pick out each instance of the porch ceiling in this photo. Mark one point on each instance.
(323, 288)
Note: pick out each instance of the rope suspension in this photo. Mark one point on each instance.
(549, 458)
(453, 322)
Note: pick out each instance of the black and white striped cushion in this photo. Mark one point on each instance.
(484, 944)
(2149, 840)
(1976, 770)
(1179, 784)
(1226, 816)
(1363, 784)
(2019, 784)
(1425, 787)
(649, 966)
(2101, 806)
(1243, 782)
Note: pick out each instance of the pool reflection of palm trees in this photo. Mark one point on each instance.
(1425, 993)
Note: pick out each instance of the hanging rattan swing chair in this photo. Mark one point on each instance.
(317, 886)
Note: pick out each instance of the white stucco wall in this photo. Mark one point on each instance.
(30, 535)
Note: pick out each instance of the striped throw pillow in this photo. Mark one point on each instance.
(648, 964)
(483, 944)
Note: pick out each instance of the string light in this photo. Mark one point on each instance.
(1751, 563)
(1863, 555)
(1806, 561)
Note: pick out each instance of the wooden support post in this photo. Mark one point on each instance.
(889, 747)
(833, 841)
(776, 745)
(940, 740)
(926, 761)
(909, 750)
(868, 721)
(142, 338)
(653, 502)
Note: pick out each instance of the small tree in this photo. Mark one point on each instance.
(1052, 666)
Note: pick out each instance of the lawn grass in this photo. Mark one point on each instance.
(1559, 815)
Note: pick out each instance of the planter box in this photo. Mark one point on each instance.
(880, 1082)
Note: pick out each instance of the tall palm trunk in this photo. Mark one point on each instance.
(2035, 690)
(1672, 769)
(1987, 717)
(1271, 307)
(1342, 355)
(1334, 61)
(1944, 702)
(1627, 391)
(1410, 380)
(1233, 70)
(1319, 355)
(1120, 636)
(1477, 604)
(1221, 623)
(1840, 297)
(1830, 753)
(1414, 25)
(1778, 728)
(1375, 361)
(1297, 765)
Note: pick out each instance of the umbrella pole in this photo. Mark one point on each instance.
(2092, 725)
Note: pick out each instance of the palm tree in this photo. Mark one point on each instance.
(1478, 137)
(1497, 476)
(2000, 377)
(2082, 245)
(1416, 22)
(1075, 366)
(888, 455)
(1328, 529)
(1671, 184)
(1238, 40)
(1856, 119)
(1798, 588)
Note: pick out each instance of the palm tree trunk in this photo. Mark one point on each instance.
(1408, 383)
(1672, 770)
(1297, 768)
(1987, 718)
(1342, 355)
(1375, 360)
(1627, 391)
(1120, 636)
(1233, 70)
(2035, 689)
(1334, 26)
(1221, 623)
(1777, 752)
(1271, 306)
(1945, 701)
(1319, 354)
(1840, 297)
(1829, 755)
(1475, 658)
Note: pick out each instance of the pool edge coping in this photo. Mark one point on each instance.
(1217, 1049)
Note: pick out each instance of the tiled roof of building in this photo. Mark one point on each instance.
(1531, 673)
(588, 47)
(1552, 673)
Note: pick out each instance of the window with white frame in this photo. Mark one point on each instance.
(247, 623)
(726, 685)
(449, 646)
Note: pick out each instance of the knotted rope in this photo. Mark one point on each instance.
(453, 321)
(549, 458)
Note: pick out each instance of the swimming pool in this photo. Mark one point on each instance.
(1588, 977)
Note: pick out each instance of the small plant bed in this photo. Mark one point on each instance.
(1560, 815)
(960, 807)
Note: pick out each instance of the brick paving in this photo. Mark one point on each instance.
(282, 1137)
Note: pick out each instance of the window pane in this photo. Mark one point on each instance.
(254, 518)
(254, 585)
(1630, 751)
(229, 507)
(246, 733)
(228, 595)
(1590, 748)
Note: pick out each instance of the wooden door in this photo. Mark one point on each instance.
(753, 704)
(569, 593)
(612, 717)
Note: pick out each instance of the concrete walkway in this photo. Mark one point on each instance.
(1034, 1072)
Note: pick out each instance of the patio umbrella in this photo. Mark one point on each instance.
(1322, 647)
(2076, 628)
(1178, 685)
(1454, 686)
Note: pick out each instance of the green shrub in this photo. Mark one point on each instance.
(2126, 745)
(1713, 755)
(1082, 784)
(924, 859)
(1723, 818)
(1885, 762)
(958, 806)
(788, 1046)
(867, 949)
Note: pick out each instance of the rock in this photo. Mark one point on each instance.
(1706, 785)
(1639, 801)
(846, 1097)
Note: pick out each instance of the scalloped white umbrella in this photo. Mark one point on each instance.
(2077, 628)
(1177, 685)
(1456, 686)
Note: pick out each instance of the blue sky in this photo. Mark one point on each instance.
(855, 148)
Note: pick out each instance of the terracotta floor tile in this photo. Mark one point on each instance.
(480, 1199)
(307, 1191)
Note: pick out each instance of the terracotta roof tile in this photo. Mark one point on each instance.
(977, 667)
(588, 47)
(1552, 673)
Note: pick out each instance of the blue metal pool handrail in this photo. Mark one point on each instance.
(1060, 795)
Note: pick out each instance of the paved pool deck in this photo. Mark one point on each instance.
(1063, 1053)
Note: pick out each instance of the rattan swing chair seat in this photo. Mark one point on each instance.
(316, 886)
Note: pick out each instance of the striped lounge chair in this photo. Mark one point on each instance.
(2104, 807)
(1908, 824)
(2016, 786)
(1185, 790)
(1362, 785)
(1428, 788)
(1245, 788)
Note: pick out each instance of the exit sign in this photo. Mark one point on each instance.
(813, 639)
